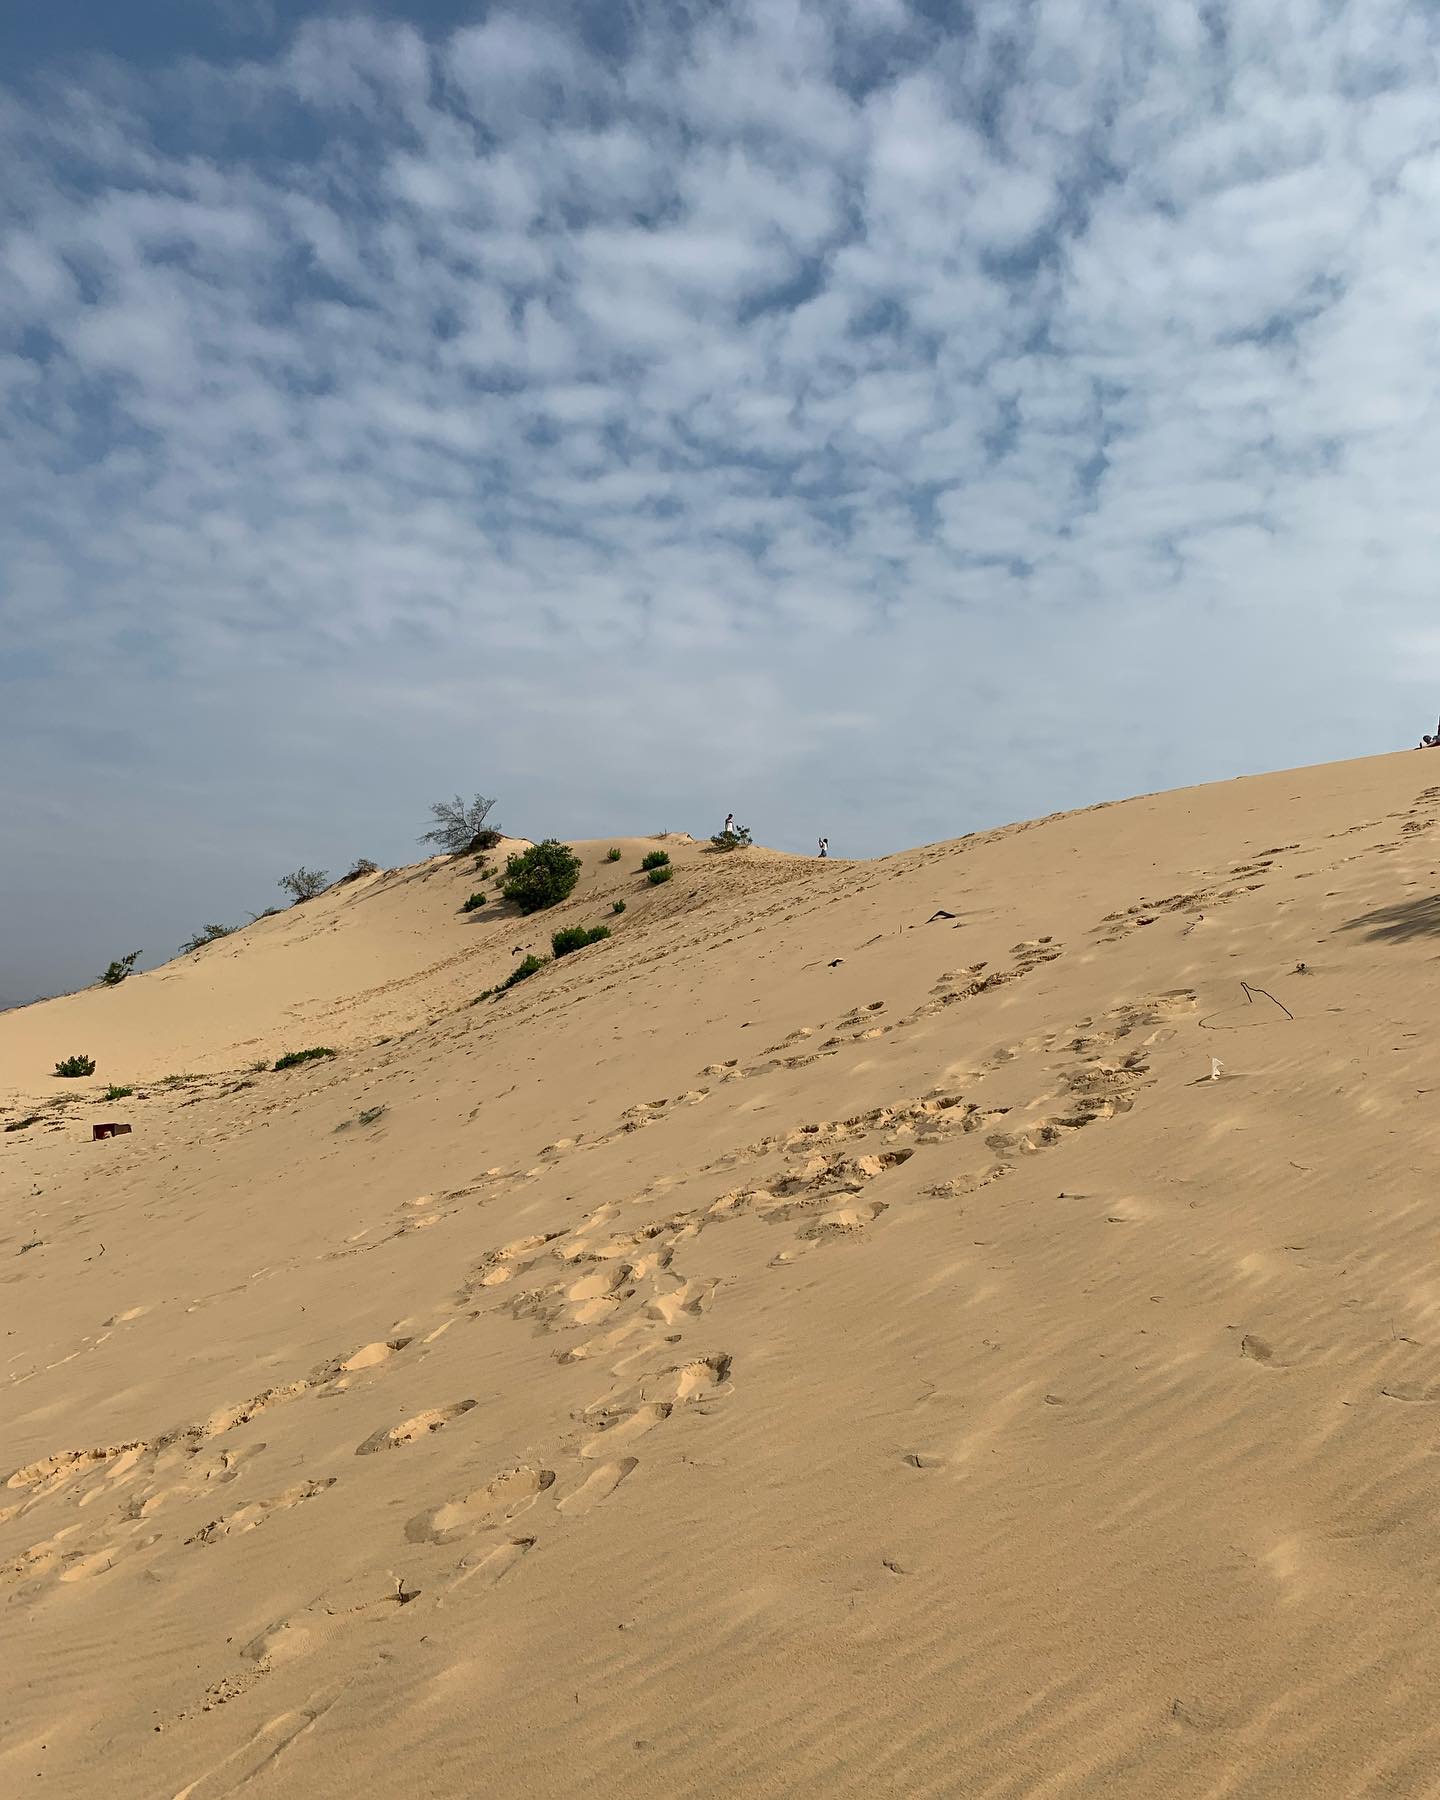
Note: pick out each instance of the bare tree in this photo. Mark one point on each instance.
(460, 825)
(303, 883)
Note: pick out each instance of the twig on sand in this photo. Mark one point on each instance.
(1250, 993)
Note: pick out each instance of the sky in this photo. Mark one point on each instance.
(883, 419)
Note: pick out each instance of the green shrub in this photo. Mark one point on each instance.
(460, 825)
(303, 884)
(612, 856)
(117, 971)
(117, 1093)
(293, 1057)
(576, 937)
(655, 859)
(532, 965)
(617, 906)
(738, 839)
(661, 874)
(361, 866)
(541, 876)
(76, 1065)
(207, 934)
(474, 903)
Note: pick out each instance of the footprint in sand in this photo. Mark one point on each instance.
(599, 1485)
(392, 1437)
(625, 1430)
(1255, 1349)
(370, 1356)
(497, 1503)
(247, 1518)
(488, 1567)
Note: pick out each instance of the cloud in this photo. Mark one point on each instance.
(917, 426)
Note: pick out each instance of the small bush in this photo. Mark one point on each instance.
(361, 866)
(612, 856)
(294, 1057)
(662, 874)
(269, 913)
(541, 876)
(522, 971)
(207, 934)
(303, 884)
(617, 906)
(76, 1065)
(655, 859)
(368, 1117)
(474, 903)
(484, 994)
(117, 1093)
(738, 839)
(261, 1067)
(460, 825)
(117, 971)
(576, 937)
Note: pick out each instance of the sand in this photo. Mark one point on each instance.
(800, 1346)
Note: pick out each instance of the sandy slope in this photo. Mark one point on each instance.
(797, 1347)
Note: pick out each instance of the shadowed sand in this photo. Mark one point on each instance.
(803, 1345)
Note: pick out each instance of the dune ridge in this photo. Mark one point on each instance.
(956, 1324)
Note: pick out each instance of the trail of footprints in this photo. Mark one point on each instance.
(619, 1296)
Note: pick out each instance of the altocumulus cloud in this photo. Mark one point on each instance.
(877, 420)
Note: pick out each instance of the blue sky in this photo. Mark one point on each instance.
(879, 419)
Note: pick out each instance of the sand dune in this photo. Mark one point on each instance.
(963, 1324)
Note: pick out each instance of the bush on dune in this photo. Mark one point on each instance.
(576, 937)
(207, 934)
(303, 884)
(460, 825)
(541, 876)
(120, 968)
(532, 965)
(76, 1065)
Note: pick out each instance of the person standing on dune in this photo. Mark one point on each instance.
(824, 846)
(729, 825)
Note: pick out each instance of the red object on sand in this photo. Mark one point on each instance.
(104, 1131)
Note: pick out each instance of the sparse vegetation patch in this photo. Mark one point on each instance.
(292, 1058)
(655, 859)
(120, 968)
(76, 1065)
(473, 904)
(656, 876)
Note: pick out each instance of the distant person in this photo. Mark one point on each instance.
(729, 830)
(1431, 743)
(824, 846)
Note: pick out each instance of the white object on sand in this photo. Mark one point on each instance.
(1215, 1067)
